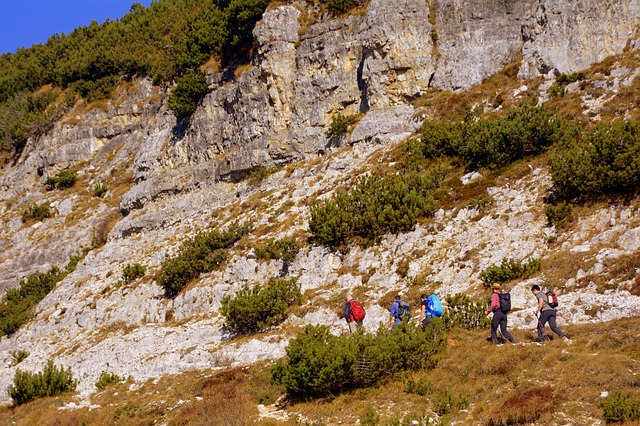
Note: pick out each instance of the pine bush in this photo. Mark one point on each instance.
(508, 270)
(320, 364)
(605, 162)
(261, 307)
(52, 381)
(375, 206)
(204, 252)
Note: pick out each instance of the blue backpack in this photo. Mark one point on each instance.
(434, 306)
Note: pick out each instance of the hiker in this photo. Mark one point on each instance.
(398, 311)
(430, 306)
(499, 317)
(545, 313)
(353, 313)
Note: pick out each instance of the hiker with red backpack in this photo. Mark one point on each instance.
(499, 314)
(546, 312)
(354, 313)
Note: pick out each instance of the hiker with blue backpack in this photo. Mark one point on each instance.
(546, 312)
(429, 307)
(500, 305)
(399, 311)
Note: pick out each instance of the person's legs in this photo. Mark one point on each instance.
(495, 322)
(425, 322)
(353, 327)
(542, 320)
(503, 329)
(552, 325)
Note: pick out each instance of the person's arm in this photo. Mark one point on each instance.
(495, 303)
(347, 312)
(540, 303)
(422, 311)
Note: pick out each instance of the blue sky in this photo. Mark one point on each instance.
(27, 22)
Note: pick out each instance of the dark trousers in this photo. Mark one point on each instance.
(550, 317)
(426, 321)
(500, 320)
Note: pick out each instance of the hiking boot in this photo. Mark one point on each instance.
(567, 340)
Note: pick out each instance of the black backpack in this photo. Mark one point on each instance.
(505, 302)
(403, 310)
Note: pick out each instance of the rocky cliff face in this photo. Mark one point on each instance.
(166, 179)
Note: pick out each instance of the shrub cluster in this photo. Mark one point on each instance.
(28, 386)
(494, 142)
(100, 189)
(464, 313)
(559, 215)
(604, 162)
(259, 308)
(62, 180)
(189, 89)
(201, 253)
(38, 212)
(620, 407)
(375, 206)
(340, 125)
(15, 309)
(509, 269)
(133, 271)
(319, 364)
(285, 249)
(19, 356)
(107, 379)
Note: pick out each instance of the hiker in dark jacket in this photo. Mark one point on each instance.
(545, 313)
(395, 317)
(348, 315)
(499, 317)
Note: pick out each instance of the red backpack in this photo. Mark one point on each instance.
(357, 311)
(552, 299)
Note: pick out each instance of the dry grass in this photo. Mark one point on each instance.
(509, 384)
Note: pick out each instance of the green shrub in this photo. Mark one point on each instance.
(186, 94)
(619, 407)
(51, 381)
(445, 402)
(261, 307)
(37, 212)
(420, 387)
(495, 142)
(99, 190)
(559, 215)
(107, 379)
(508, 270)
(62, 180)
(320, 364)
(285, 249)
(605, 162)
(339, 7)
(564, 79)
(133, 271)
(15, 309)
(201, 253)
(19, 356)
(376, 206)
(464, 313)
(370, 417)
(340, 125)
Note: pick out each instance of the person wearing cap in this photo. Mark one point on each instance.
(499, 317)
